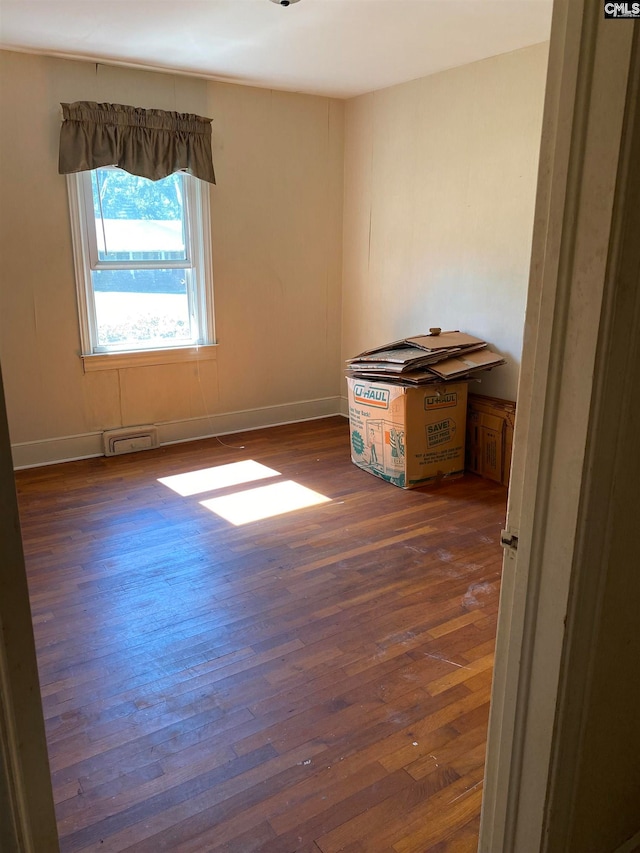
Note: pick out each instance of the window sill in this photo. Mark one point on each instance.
(147, 358)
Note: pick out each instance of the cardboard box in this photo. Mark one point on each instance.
(490, 423)
(408, 436)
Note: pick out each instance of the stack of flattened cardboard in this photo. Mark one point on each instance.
(436, 357)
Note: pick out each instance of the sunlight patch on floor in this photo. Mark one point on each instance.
(220, 477)
(264, 502)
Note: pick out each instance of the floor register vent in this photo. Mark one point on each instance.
(129, 440)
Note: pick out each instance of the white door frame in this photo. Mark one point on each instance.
(579, 207)
(27, 818)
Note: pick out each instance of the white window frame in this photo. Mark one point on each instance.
(200, 280)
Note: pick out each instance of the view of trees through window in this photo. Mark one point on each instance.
(142, 223)
(123, 196)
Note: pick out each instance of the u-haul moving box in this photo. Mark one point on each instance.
(408, 436)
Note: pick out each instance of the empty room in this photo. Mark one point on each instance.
(226, 626)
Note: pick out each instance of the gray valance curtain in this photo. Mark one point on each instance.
(148, 143)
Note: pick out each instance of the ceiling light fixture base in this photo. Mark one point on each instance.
(285, 2)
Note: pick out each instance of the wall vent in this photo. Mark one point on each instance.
(129, 440)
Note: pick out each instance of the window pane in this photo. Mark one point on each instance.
(142, 308)
(137, 219)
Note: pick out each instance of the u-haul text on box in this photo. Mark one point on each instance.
(408, 436)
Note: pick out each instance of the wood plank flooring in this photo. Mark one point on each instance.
(316, 681)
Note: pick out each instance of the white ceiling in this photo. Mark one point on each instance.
(338, 48)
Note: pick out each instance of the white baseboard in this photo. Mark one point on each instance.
(49, 451)
(630, 846)
(344, 406)
(172, 432)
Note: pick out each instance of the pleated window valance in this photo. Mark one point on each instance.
(148, 143)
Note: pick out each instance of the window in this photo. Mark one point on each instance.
(143, 261)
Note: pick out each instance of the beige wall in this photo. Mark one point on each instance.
(440, 178)
(276, 225)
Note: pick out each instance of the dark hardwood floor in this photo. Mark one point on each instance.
(314, 681)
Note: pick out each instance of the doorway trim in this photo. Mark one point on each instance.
(580, 210)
